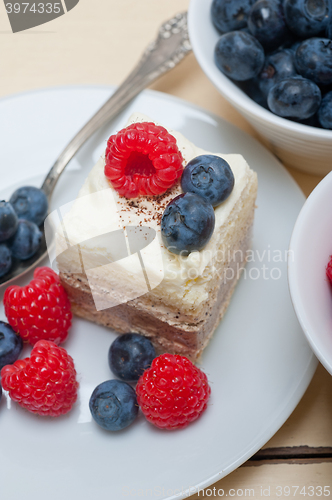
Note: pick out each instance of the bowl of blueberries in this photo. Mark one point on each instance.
(272, 60)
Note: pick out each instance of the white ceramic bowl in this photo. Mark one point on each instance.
(310, 250)
(306, 148)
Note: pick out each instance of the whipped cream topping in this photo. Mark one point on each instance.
(100, 209)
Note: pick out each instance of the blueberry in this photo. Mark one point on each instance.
(10, 345)
(113, 405)
(294, 98)
(230, 15)
(5, 259)
(30, 203)
(266, 22)
(8, 220)
(129, 355)
(210, 177)
(26, 241)
(277, 66)
(239, 55)
(325, 111)
(187, 224)
(306, 17)
(313, 60)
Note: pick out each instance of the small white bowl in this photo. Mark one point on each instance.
(309, 253)
(301, 146)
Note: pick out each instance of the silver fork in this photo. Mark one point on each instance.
(164, 53)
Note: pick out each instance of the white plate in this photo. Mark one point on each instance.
(259, 363)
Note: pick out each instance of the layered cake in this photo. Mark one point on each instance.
(137, 252)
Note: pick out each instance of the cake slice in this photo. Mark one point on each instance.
(117, 271)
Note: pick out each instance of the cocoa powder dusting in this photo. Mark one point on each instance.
(139, 206)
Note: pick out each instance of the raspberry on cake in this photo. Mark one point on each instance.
(142, 159)
(180, 296)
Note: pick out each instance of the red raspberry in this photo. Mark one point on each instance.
(142, 159)
(329, 270)
(45, 383)
(40, 310)
(173, 392)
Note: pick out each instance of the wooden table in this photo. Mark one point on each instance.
(98, 43)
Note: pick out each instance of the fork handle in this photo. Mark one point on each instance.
(169, 48)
